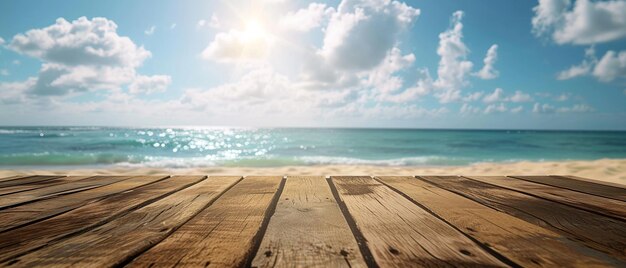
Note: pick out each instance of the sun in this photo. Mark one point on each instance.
(254, 30)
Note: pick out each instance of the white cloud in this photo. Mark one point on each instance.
(563, 97)
(360, 28)
(14, 92)
(581, 69)
(16, 62)
(488, 71)
(548, 109)
(517, 109)
(79, 56)
(1, 41)
(520, 96)
(548, 13)
(496, 96)
(307, 18)
(214, 22)
(543, 109)
(149, 84)
(467, 109)
(611, 66)
(585, 23)
(499, 96)
(81, 42)
(4, 72)
(453, 67)
(496, 108)
(236, 46)
(382, 77)
(578, 108)
(150, 31)
(473, 96)
(173, 26)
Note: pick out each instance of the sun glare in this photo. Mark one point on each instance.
(254, 30)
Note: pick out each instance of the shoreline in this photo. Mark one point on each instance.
(606, 170)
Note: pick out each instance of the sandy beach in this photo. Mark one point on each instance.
(606, 170)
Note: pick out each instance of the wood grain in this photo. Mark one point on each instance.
(16, 199)
(523, 243)
(31, 237)
(580, 185)
(118, 241)
(25, 214)
(592, 230)
(12, 178)
(308, 229)
(223, 234)
(26, 180)
(39, 184)
(591, 203)
(401, 234)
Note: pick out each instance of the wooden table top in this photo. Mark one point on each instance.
(308, 221)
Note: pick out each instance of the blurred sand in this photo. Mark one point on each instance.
(608, 170)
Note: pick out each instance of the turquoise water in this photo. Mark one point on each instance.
(26, 147)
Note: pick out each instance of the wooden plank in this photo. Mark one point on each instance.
(224, 234)
(26, 180)
(16, 199)
(525, 244)
(39, 184)
(593, 230)
(119, 240)
(13, 177)
(402, 234)
(579, 185)
(14, 217)
(31, 237)
(308, 229)
(595, 204)
(612, 184)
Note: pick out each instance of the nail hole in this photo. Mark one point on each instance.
(343, 253)
(394, 251)
(268, 253)
(465, 252)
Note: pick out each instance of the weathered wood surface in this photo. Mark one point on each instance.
(592, 230)
(308, 229)
(14, 181)
(39, 184)
(608, 190)
(540, 221)
(24, 214)
(521, 242)
(39, 234)
(591, 203)
(11, 178)
(15, 199)
(121, 239)
(401, 234)
(211, 237)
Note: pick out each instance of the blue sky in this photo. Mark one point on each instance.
(552, 64)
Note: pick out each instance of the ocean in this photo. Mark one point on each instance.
(77, 147)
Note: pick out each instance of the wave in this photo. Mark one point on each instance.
(404, 161)
(14, 131)
(56, 159)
